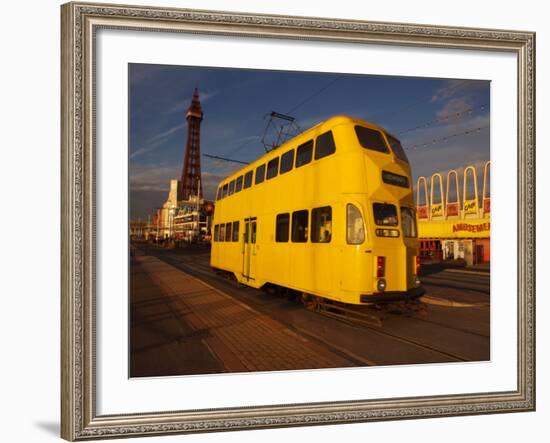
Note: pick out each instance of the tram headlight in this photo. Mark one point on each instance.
(381, 285)
(355, 227)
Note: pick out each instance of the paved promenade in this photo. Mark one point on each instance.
(181, 325)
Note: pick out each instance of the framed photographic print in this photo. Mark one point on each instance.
(282, 221)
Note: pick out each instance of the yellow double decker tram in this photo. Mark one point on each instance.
(328, 214)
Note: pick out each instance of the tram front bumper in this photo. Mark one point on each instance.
(378, 297)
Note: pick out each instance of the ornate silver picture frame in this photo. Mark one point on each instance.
(80, 23)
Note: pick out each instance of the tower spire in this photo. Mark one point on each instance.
(191, 173)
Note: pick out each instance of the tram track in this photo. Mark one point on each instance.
(200, 267)
(406, 340)
(409, 308)
(375, 324)
(456, 284)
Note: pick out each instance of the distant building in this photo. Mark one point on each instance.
(185, 216)
(190, 222)
(191, 172)
(138, 229)
(168, 211)
(455, 228)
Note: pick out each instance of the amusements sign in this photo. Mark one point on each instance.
(444, 229)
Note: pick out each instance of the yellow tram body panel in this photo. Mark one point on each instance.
(293, 230)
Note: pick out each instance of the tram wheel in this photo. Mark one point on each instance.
(311, 302)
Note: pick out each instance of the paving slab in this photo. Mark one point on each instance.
(182, 325)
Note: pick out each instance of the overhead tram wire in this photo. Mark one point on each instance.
(216, 157)
(444, 119)
(315, 94)
(447, 137)
(414, 104)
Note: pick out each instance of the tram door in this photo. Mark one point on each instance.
(249, 248)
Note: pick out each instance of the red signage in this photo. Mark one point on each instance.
(487, 205)
(452, 209)
(422, 211)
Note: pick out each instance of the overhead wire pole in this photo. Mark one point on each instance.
(300, 104)
(281, 136)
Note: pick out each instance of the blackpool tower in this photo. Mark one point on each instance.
(191, 175)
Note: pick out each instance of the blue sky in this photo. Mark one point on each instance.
(422, 112)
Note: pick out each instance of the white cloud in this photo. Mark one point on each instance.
(168, 132)
(455, 109)
(157, 140)
(152, 177)
(448, 90)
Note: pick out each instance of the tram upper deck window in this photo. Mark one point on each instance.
(224, 190)
(299, 226)
(385, 214)
(231, 187)
(272, 168)
(248, 179)
(282, 224)
(408, 222)
(260, 174)
(239, 184)
(219, 193)
(321, 224)
(287, 161)
(397, 148)
(304, 153)
(324, 145)
(371, 139)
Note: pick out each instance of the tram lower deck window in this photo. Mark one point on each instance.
(216, 233)
(235, 231)
(321, 224)
(228, 232)
(385, 214)
(300, 226)
(281, 227)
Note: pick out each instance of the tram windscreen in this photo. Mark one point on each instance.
(408, 222)
(385, 214)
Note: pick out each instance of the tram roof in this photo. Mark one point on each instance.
(308, 133)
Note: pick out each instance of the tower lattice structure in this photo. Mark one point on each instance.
(191, 174)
